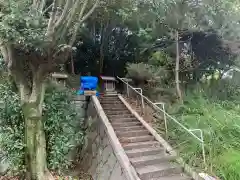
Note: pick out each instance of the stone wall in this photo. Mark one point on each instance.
(99, 158)
(81, 103)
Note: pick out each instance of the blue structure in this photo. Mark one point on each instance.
(88, 83)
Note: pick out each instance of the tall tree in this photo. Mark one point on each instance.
(35, 37)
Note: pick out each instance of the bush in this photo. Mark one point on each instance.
(224, 89)
(63, 126)
(139, 72)
(64, 130)
(11, 128)
(229, 164)
(221, 131)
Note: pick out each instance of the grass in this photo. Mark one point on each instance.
(220, 122)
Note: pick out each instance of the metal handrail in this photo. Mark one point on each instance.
(155, 105)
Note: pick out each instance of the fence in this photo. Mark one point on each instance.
(166, 116)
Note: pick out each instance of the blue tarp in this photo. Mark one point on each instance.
(88, 82)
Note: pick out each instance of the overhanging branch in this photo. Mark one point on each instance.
(39, 5)
(91, 11)
(64, 15)
(82, 19)
(15, 67)
(69, 19)
(72, 14)
(50, 27)
(45, 10)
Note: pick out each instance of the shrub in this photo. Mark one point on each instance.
(63, 126)
(221, 131)
(64, 130)
(11, 128)
(229, 163)
(139, 72)
(160, 59)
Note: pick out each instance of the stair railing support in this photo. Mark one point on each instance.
(127, 90)
(202, 144)
(141, 94)
(164, 116)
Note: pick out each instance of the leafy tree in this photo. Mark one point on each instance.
(35, 37)
(174, 19)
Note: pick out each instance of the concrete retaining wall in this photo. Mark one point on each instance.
(103, 158)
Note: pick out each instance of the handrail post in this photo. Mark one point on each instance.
(164, 117)
(203, 150)
(165, 120)
(127, 90)
(142, 100)
(202, 145)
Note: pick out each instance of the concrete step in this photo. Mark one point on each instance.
(115, 108)
(111, 101)
(152, 159)
(174, 177)
(126, 124)
(120, 115)
(127, 119)
(133, 153)
(109, 97)
(106, 106)
(141, 145)
(130, 128)
(132, 133)
(136, 139)
(117, 112)
(158, 170)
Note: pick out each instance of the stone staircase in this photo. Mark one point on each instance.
(148, 157)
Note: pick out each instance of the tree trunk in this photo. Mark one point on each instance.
(101, 59)
(179, 93)
(35, 151)
(72, 64)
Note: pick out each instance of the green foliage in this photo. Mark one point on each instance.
(219, 121)
(11, 128)
(63, 128)
(161, 64)
(139, 72)
(160, 58)
(21, 25)
(230, 164)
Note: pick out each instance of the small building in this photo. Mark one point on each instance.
(60, 77)
(108, 84)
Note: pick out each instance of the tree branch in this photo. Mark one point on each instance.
(72, 14)
(42, 5)
(39, 5)
(38, 74)
(4, 53)
(61, 55)
(90, 11)
(83, 9)
(82, 19)
(64, 14)
(15, 67)
(69, 19)
(50, 28)
(47, 9)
